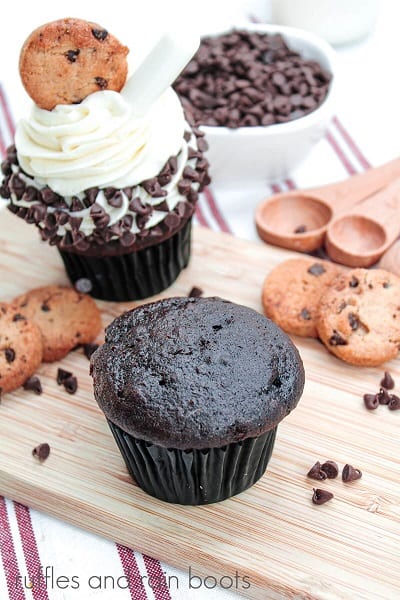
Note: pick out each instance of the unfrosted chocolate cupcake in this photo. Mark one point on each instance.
(193, 390)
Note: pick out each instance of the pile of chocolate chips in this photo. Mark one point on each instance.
(247, 78)
(392, 401)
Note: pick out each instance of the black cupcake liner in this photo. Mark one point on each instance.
(135, 275)
(195, 476)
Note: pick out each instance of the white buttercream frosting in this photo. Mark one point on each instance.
(99, 142)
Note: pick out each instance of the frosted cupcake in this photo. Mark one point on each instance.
(114, 191)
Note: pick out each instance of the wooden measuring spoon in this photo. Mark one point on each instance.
(359, 237)
(390, 261)
(298, 219)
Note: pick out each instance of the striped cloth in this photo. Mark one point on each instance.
(359, 135)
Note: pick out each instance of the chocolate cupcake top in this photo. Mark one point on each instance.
(196, 373)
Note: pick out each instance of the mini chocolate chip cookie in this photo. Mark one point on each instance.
(64, 61)
(65, 318)
(291, 293)
(359, 316)
(21, 348)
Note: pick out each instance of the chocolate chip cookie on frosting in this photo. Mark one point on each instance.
(112, 189)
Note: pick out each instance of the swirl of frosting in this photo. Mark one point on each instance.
(99, 142)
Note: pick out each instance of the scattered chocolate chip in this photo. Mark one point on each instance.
(305, 314)
(101, 82)
(62, 375)
(394, 402)
(316, 269)
(321, 496)
(316, 473)
(83, 285)
(72, 55)
(88, 349)
(387, 382)
(383, 396)
(195, 292)
(353, 321)
(349, 473)
(337, 340)
(41, 452)
(45, 307)
(70, 384)
(100, 34)
(330, 468)
(33, 384)
(19, 317)
(9, 354)
(353, 282)
(300, 229)
(371, 401)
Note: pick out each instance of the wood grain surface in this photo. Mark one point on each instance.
(272, 534)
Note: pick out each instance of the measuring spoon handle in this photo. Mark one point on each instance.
(383, 207)
(344, 194)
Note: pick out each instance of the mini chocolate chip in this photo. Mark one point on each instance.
(371, 401)
(383, 396)
(195, 292)
(337, 340)
(72, 55)
(300, 229)
(88, 349)
(18, 317)
(349, 473)
(41, 452)
(100, 34)
(387, 382)
(330, 468)
(45, 307)
(62, 375)
(353, 282)
(83, 285)
(353, 321)
(33, 384)
(76, 204)
(128, 238)
(316, 269)
(9, 354)
(316, 473)
(162, 206)
(386, 285)
(116, 200)
(101, 82)
(321, 496)
(70, 384)
(394, 402)
(305, 314)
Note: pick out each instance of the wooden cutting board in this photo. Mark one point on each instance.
(271, 534)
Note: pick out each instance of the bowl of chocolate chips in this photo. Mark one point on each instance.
(263, 95)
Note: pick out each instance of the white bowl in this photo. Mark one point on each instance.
(258, 154)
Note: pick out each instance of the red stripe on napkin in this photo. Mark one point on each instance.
(200, 217)
(2, 145)
(9, 558)
(157, 580)
(132, 573)
(290, 184)
(275, 188)
(364, 162)
(216, 213)
(340, 154)
(31, 553)
(7, 111)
